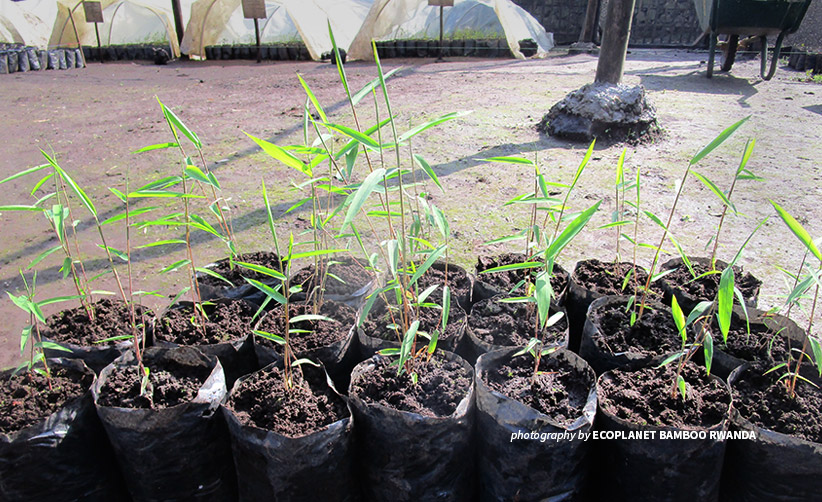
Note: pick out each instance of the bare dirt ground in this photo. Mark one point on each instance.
(93, 118)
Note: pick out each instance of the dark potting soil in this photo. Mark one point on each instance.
(766, 403)
(458, 282)
(318, 333)
(654, 333)
(26, 398)
(761, 344)
(235, 275)
(379, 324)
(226, 322)
(560, 391)
(511, 324)
(508, 279)
(344, 277)
(263, 401)
(607, 278)
(111, 318)
(705, 288)
(650, 396)
(169, 384)
(440, 387)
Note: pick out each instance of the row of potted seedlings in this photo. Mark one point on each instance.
(391, 373)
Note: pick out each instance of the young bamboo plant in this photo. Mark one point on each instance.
(541, 292)
(792, 366)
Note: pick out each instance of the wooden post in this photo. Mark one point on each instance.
(615, 41)
(441, 28)
(178, 20)
(257, 34)
(99, 48)
(77, 37)
(590, 24)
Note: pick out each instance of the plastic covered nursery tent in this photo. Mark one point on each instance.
(394, 19)
(126, 22)
(27, 22)
(221, 22)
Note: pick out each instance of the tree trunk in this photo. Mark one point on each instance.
(615, 41)
(587, 35)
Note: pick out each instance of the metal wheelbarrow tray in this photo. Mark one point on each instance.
(758, 18)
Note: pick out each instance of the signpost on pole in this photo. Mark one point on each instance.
(255, 9)
(441, 4)
(94, 14)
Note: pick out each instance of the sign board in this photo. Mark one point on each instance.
(93, 11)
(254, 9)
(441, 3)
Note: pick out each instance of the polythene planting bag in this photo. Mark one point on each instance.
(13, 61)
(65, 456)
(178, 453)
(529, 469)
(213, 288)
(339, 358)
(485, 287)
(4, 63)
(96, 357)
(271, 466)
(784, 334)
(22, 60)
(577, 300)
(34, 60)
(675, 470)
(770, 467)
(54, 60)
(78, 58)
(687, 301)
(237, 357)
(405, 456)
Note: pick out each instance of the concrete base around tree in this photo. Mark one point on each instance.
(614, 113)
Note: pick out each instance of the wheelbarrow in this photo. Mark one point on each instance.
(753, 18)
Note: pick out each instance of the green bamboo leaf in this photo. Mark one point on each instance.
(66, 267)
(425, 294)
(427, 125)
(261, 270)
(270, 336)
(24, 338)
(175, 266)
(25, 172)
(357, 136)
(680, 382)
(131, 214)
(200, 223)
(817, 353)
(511, 160)
(268, 291)
(432, 343)
(748, 240)
(718, 141)
(620, 172)
(313, 98)
(71, 184)
(158, 146)
(309, 317)
(709, 352)
(407, 343)
(40, 183)
(58, 217)
(668, 360)
(507, 238)
(59, 299)
(432, 257)
(282, 155)
(209, 272)
(115, 252)
(161, 183)
(428, 170)
(616, 224)
(176, 122)
(162, 243)
(362, 193)
(318, 252)
(584, 163)
(573, 228)
(446, 306)
(513, 266)
(749, 146)
(715, 189)
(393, 255)
(441, 222)
(197, 174)
(51, 346)
(725, 300)
(300, 362)
(340, 66)
(162, 194)
(543, 292)
(370, 86)
(798, 230)
(21, 207)
(679, 319)
(43, 255)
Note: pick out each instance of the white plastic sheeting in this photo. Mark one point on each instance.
(27, 22)
(397, 19)
(216, 22)
(126, 22)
